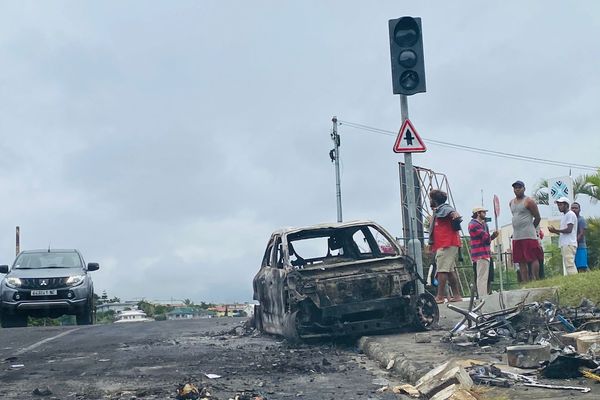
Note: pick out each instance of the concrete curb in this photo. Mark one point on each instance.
(403, 351)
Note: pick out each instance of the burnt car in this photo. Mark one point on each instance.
(47, 283)
(342, 279)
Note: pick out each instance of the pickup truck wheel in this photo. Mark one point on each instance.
(13, 321)
(426, 313)
(86, 317)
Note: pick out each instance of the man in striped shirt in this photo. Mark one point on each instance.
(480, 248)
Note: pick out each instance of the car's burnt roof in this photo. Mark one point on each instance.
(330, 225)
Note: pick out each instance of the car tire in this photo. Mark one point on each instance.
(87, 316)
(13, 321)
(425, 312)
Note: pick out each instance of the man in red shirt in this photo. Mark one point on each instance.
(445, 242)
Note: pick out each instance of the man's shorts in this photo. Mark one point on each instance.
(526, 250)
(445, 259)
(581, 258)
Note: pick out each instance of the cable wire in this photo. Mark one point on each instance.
(478, 150)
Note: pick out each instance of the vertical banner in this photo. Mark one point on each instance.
(559, 187)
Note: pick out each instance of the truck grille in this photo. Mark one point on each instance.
(43, 283)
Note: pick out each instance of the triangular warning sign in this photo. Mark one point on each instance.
(408, 140)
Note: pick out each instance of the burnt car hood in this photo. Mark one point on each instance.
(45, 272)
(352, 267)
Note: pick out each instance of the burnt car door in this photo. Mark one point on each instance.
(270, 287)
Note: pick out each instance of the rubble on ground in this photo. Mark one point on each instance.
(536, 340)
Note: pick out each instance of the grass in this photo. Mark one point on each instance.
(573, 288)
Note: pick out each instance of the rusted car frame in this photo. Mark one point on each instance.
(345, 279)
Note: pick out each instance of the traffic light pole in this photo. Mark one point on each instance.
(414, 244)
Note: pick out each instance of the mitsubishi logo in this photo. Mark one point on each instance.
(43, 282)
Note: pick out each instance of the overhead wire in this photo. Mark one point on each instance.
(472, 149)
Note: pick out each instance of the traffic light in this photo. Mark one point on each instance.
(406, 49)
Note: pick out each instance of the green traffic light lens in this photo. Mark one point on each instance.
(409, 80)
(406, 32)
(407, 59)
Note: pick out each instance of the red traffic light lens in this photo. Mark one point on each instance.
(406, 32)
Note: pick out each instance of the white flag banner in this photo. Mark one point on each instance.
(557, 188)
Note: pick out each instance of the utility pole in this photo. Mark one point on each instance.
(334, 154)
(18, 241)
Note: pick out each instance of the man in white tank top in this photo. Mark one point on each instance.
(525, 221)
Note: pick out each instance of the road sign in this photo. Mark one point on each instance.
(496, 206)
(408, 140)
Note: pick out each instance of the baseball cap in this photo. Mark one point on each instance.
(477, 209)
(518, 183)
(562, 200)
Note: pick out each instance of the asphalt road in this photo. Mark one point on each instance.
(150, 360)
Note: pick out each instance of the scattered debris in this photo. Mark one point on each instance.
(552, 342)
(565, 366)
(248, 396)
(527, 356)
(407, 389)
(443, 376)
(422, 337)
(541, 385)
(42, 392)
(189, 391)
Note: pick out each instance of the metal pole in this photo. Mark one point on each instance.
(336, 155)
(18, 241)
(414, 244)
(499, 260)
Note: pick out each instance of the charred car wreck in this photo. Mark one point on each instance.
(345, 279)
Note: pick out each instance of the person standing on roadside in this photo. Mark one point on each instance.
(581, 257)
(567, 240)
(525, 221)
(445, 242)
(480, 248)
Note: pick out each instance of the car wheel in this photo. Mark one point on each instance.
(426, 313)
(13, 321)
(87, 316)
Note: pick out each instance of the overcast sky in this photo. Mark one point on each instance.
(167, 140)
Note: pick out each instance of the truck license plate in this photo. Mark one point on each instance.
(43, 292)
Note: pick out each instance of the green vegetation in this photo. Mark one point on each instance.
(573, 288)
(592, 238)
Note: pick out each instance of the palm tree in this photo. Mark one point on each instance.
(593, 186)
(580, 186)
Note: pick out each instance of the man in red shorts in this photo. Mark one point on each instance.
(525, 221)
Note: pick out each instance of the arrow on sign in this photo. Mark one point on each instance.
(408, 140)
